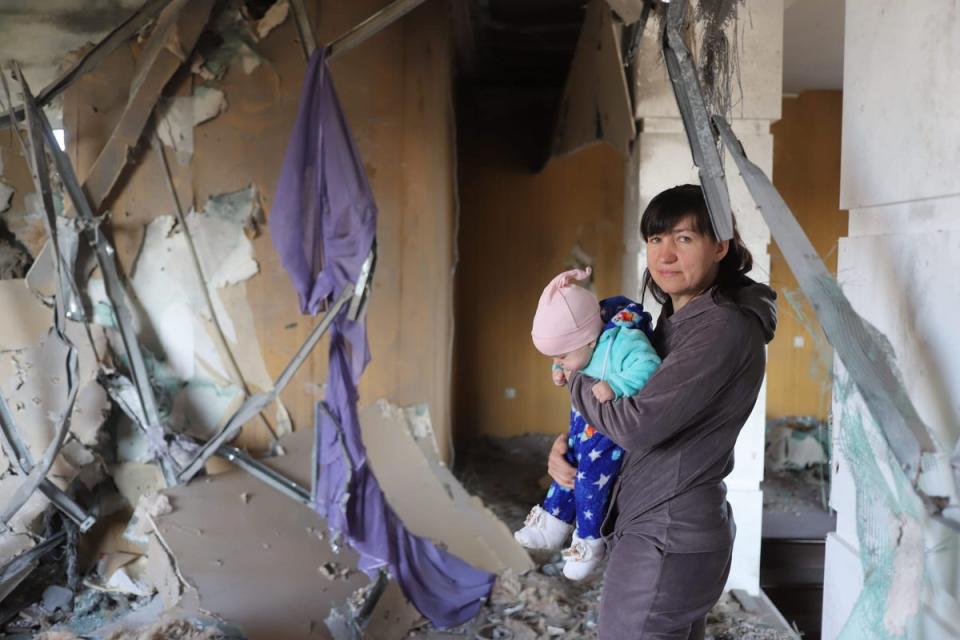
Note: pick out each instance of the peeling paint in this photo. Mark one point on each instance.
(177, 118)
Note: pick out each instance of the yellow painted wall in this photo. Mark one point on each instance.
(395, 89)
(517, 231)
(806, 171)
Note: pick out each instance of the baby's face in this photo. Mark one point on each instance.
(576, 360)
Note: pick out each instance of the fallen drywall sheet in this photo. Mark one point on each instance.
(33, 382)
(596, 101)
(426, 495)
(178, 116)
(261, 560)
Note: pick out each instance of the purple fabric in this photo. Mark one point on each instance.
(323, 225)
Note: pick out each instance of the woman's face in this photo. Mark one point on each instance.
(683, 261)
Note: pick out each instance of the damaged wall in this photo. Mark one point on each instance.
(891, 571)
(395, 90)
(21, 232)
(517, 231)
(806, 172)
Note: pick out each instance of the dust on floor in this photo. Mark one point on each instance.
(509, 476)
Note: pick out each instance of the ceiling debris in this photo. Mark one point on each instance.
(111, 416)
(427, 496)
(210, 534)
(596, 102)
(45, 465)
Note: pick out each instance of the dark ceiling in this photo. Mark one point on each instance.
(513, 58)
(523, 43)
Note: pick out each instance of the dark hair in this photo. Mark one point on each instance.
(670, 207)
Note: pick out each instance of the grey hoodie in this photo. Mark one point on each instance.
(680, 429)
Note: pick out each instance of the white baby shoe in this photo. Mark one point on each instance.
(582, 557)
(543, 531)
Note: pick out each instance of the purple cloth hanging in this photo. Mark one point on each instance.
(323, 225)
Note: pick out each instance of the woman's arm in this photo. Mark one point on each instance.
(684, 385)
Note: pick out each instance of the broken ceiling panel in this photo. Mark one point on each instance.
(596, 100)
(41, 34)
(261, 560)
(426, 495)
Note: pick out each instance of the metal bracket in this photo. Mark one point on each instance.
(696, 122)
(361, 291)
(265, 474)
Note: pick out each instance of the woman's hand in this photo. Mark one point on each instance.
(557, 466)
(603, 392)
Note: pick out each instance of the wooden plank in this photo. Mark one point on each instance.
(168, 48)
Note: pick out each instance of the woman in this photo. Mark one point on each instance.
(669, 526)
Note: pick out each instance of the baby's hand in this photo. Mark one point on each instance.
(603, 392)
(559, 376)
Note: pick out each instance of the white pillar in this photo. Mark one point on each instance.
(899, 265)
(661, 159)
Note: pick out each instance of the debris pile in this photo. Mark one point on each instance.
(796, 479)
(507, 475)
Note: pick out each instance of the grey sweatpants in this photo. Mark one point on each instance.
(649, 594)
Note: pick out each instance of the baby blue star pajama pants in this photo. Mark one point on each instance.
(597, 459)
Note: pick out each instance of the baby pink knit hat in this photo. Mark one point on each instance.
(568, 316)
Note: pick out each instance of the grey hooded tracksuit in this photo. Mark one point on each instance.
(669, 526)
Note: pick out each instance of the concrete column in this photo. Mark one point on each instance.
(898, 267)
(661, 159)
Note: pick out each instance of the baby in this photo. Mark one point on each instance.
(607, 341)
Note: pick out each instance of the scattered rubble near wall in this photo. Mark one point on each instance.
(153, 297)
(109, 547)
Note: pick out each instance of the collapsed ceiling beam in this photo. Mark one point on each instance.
(696, 121)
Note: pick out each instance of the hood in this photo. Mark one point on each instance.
(759, 300)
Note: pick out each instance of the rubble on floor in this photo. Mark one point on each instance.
(796, 480)
(507, 475)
